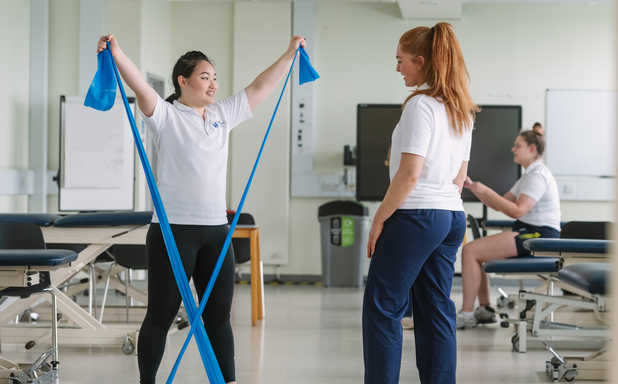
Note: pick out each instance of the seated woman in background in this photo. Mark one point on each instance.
(533, 202)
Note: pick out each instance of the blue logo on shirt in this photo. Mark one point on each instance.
(216, 124)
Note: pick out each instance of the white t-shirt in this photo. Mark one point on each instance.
(424, 130)
(190, 157)
(538, 183)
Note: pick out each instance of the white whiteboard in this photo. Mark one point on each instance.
(580, 137)
(96, 157)
(580, 132)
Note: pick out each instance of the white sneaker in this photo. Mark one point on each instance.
(466, 320)
(485, 315)
(407, 323)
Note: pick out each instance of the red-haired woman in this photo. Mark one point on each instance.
(420, 224)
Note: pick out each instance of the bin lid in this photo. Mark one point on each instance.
(342, 207)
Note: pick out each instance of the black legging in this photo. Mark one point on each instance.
(199, 246)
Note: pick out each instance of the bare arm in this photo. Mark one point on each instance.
(263, 85)
(510, 197)
(515, 208)
(402, 184)
(146, 96)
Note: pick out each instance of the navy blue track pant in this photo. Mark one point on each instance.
(416, 251)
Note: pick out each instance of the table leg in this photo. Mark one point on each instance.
(260, 277)
(254, 277)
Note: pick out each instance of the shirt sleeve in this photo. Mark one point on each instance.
(533, 185)
(416, 126)
(235, 109)
(159, 115)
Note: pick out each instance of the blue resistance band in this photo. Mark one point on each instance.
(99, 97)
(306, 74)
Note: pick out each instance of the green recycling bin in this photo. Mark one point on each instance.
(344, 231)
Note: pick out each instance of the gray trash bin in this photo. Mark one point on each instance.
(344, 231)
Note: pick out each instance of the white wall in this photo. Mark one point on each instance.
(256, 46)
(14, 77)
(205, 27)
(63, 74)
(123, 19)
(155, 37)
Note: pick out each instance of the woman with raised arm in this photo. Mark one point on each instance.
(190, 132)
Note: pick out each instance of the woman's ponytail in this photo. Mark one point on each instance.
(172, 97)
(443, 55)
(445, 71)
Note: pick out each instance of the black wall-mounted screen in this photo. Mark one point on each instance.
(374, 127)
(491, 160)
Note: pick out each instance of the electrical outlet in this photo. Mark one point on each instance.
(567, 189)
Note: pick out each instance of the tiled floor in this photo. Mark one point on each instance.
(309, 335)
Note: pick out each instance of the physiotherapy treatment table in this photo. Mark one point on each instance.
(98, 232)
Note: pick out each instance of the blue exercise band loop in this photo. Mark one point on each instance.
(228, 238)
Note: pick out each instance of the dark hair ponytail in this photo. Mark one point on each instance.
(533, 137)
(171, 98)
(184, 67)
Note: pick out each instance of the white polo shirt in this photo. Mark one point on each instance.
(424, 130)
(190, 157)
(538, 183)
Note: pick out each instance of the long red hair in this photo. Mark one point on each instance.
(445, 71)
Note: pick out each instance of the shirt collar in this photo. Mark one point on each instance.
(207, 124)
(185, 108)
(182, 107)
(535, 164)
